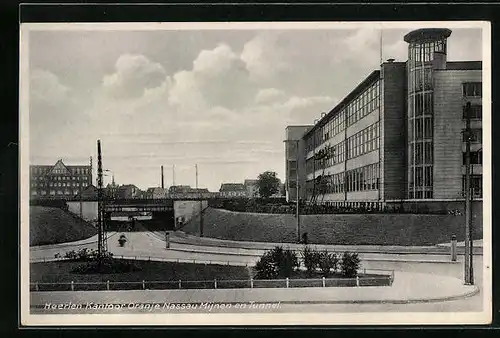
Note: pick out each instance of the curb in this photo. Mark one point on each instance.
(183, 238)
(390, 301)
(319, 302)
(365, 259)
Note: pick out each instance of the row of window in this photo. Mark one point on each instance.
(472, 89)
(420, 104)
(420, 129)
(425, 51)
(420, 194)
(364, 104)
(60, 178)
(54, 192)
(363, 142)
(420, 79)
(420, 153)
(475, 112)
(420, 177)
(74, 171)
(476, 157)
(475, 135)
(359, 179)
(58, 184)
(476, 185)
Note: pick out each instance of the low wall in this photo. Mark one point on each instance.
(185, 211)
(89, 209)
(441, 206)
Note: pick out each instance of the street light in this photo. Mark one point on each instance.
(297, 196)
(468, 266)
(112, 188)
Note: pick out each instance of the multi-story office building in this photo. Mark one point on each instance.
(295, 161)
(59, 180)
(398, 136)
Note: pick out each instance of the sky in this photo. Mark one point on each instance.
(220, 99)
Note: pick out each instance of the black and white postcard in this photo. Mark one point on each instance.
(292, 173)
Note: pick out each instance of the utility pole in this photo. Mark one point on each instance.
(297, 196)
(173, 175)
(469, 275)
(200, 203)
(101, 245)
(162, 180)
(196, 168)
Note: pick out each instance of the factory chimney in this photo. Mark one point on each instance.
(162, 181)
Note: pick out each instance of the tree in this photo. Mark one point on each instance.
(268, 183)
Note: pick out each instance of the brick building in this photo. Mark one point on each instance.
(228, 190)
(59, 180)
(395, 138)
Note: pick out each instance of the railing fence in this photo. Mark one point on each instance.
(382, 278)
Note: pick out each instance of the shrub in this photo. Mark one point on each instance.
(350, 264)
(266, 268)
(276, 263)
(311, 259)
(106, 266)
(82, 255)
(328, 262)
(287, 263)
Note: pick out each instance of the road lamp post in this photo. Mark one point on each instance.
(468, 264)
(297, 187)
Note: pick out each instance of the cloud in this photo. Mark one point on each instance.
(46, 87)
(133, 75)
(269, 95)
(218, 78)
(205, 102)
(264, 57)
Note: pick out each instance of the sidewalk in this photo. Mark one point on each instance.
(252, 248)
(407, 288)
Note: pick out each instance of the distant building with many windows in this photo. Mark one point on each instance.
(156, 193)
(228, 190)
(59, 180)
(128, 191)
(397, 136)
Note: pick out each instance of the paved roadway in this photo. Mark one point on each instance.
(152, 245)
(142, 244)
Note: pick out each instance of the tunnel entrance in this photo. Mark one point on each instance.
(140, 221)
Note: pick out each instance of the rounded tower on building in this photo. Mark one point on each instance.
(426, 53)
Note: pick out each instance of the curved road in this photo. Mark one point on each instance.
(152, 245)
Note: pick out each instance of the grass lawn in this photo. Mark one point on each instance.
(53, 225)
(350, 229)
(61, 272)
(166, 275)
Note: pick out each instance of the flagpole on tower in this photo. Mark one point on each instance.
(381, 42)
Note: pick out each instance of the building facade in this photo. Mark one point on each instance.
(229, 190)
(156, 193)
(59, 180)
(185, 191)
(398, 136)
(295, 163)
(128, 191)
